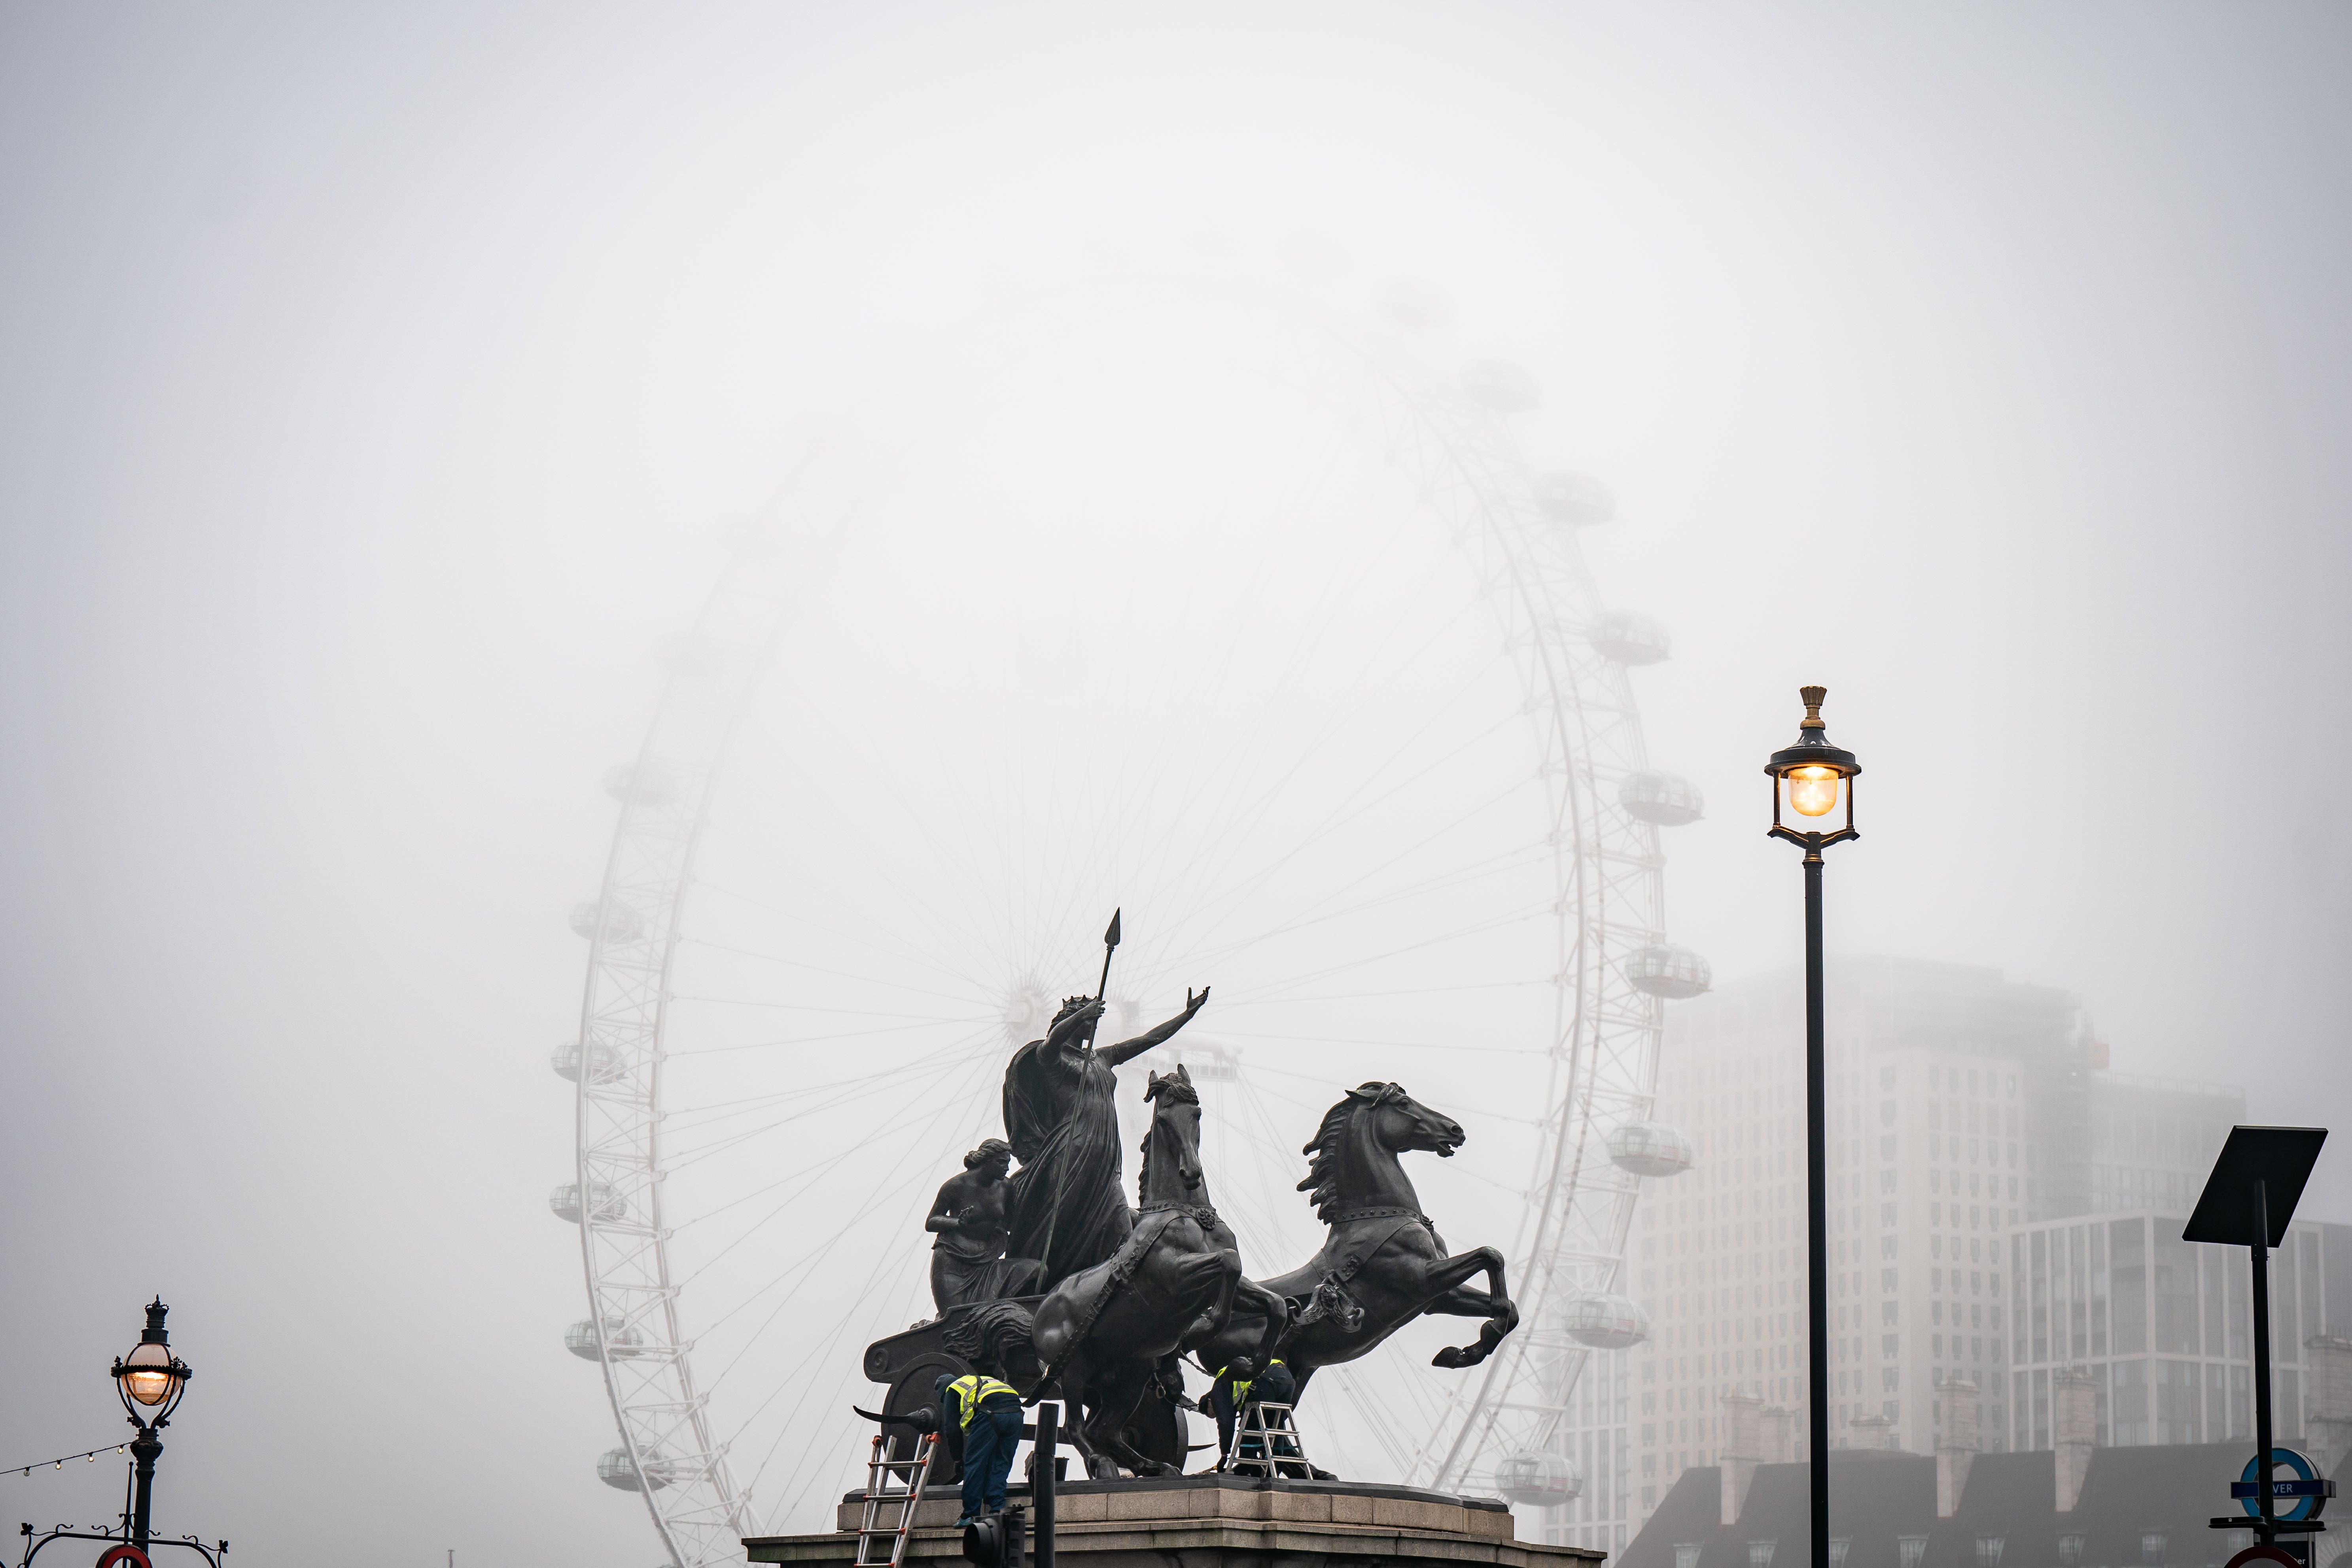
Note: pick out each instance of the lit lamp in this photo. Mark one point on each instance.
(151, 1378)
(1810, 777)
(1807, 779)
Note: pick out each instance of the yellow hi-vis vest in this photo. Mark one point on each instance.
(971, 1389)
(1241, 1386)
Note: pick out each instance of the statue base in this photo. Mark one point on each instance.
(1220, 1521)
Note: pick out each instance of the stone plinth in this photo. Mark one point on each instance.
(1220, 1521)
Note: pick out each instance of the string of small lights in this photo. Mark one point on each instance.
(89, 1454)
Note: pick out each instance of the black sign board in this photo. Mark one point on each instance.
(2281, 1158)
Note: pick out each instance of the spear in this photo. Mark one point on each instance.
(1110, 945)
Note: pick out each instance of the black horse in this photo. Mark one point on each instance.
(1382, 1263)
(1107, 1334)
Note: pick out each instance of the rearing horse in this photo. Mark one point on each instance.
(1109, 1332)
(1382, 1263)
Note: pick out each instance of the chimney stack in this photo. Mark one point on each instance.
(1743, 1450)
(2328, 1429)
(1955, 1443)
(1873, 1431)
(2074, 1409)
(1777, 1422)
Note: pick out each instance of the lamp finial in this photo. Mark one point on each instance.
(1811, 697)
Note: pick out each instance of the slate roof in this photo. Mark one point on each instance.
(1877, 1496)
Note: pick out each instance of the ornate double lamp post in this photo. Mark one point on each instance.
(151, 1378)
(1809, 778)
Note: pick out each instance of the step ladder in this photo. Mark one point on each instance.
(1272, 1432)
(892, 1483)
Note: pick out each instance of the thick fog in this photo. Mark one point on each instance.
(384, 393)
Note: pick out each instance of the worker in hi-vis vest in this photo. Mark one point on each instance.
(980, 1418)
(1240, 1384)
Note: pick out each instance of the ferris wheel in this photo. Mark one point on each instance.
(1211, 602)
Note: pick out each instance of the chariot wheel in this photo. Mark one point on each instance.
(1232, 608)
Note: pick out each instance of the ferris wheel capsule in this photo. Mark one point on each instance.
(621, 1341)
(1649, 1149)
(1606, 1321)
(604, 1201)
(1666, 800)
(612, 920)
(1663, 970)
(1573, 500)
(616, 1470)
(604, 1063)
(640, 784)
(1539, 1479)
(1627, 638)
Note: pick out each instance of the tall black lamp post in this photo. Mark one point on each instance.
(1808, 778)
(149, 1378)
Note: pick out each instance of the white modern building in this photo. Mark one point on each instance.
(1964, 1112)
(2163, 1327)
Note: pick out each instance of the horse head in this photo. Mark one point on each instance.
(1354, 1154)
(1171, 1150)
(1400, 1122)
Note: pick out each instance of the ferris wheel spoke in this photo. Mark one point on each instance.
(805, 1172)
(1320, 999)
(1350, 807)
(814, 1039)
(883, 1259)
(1518, 858)
(807, 1267)
(978, 964)
(804, 1090)
(946, 934)
(876, 980)
(792, 1379)
(682, 1154)
(1244, 822)
(1238, 815)
(772, 1005)
(1461, 933)
(1512, 860)
(912, 960)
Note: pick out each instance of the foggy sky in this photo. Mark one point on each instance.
(378, 389)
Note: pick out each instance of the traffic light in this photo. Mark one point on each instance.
(995, 1540)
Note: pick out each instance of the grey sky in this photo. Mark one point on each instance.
(376, 388)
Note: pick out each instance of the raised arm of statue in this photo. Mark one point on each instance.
(1074, 1027)
(1144, 1042)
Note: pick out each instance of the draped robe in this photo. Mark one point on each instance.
(1061, 1116)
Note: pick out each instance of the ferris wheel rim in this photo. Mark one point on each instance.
(1572, 984)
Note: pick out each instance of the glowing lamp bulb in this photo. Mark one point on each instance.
(1812, 791)
(147, 1375)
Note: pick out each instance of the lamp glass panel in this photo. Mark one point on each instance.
(1813, 791)
(149, 1387)
(147, 1375)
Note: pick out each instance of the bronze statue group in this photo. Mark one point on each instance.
(1048, 1285)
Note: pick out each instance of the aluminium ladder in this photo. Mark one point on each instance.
(892, 1483)
(1256, 1440)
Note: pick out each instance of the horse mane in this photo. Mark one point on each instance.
(1177, 1088)
(1327, 1150)
(988, 1333)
